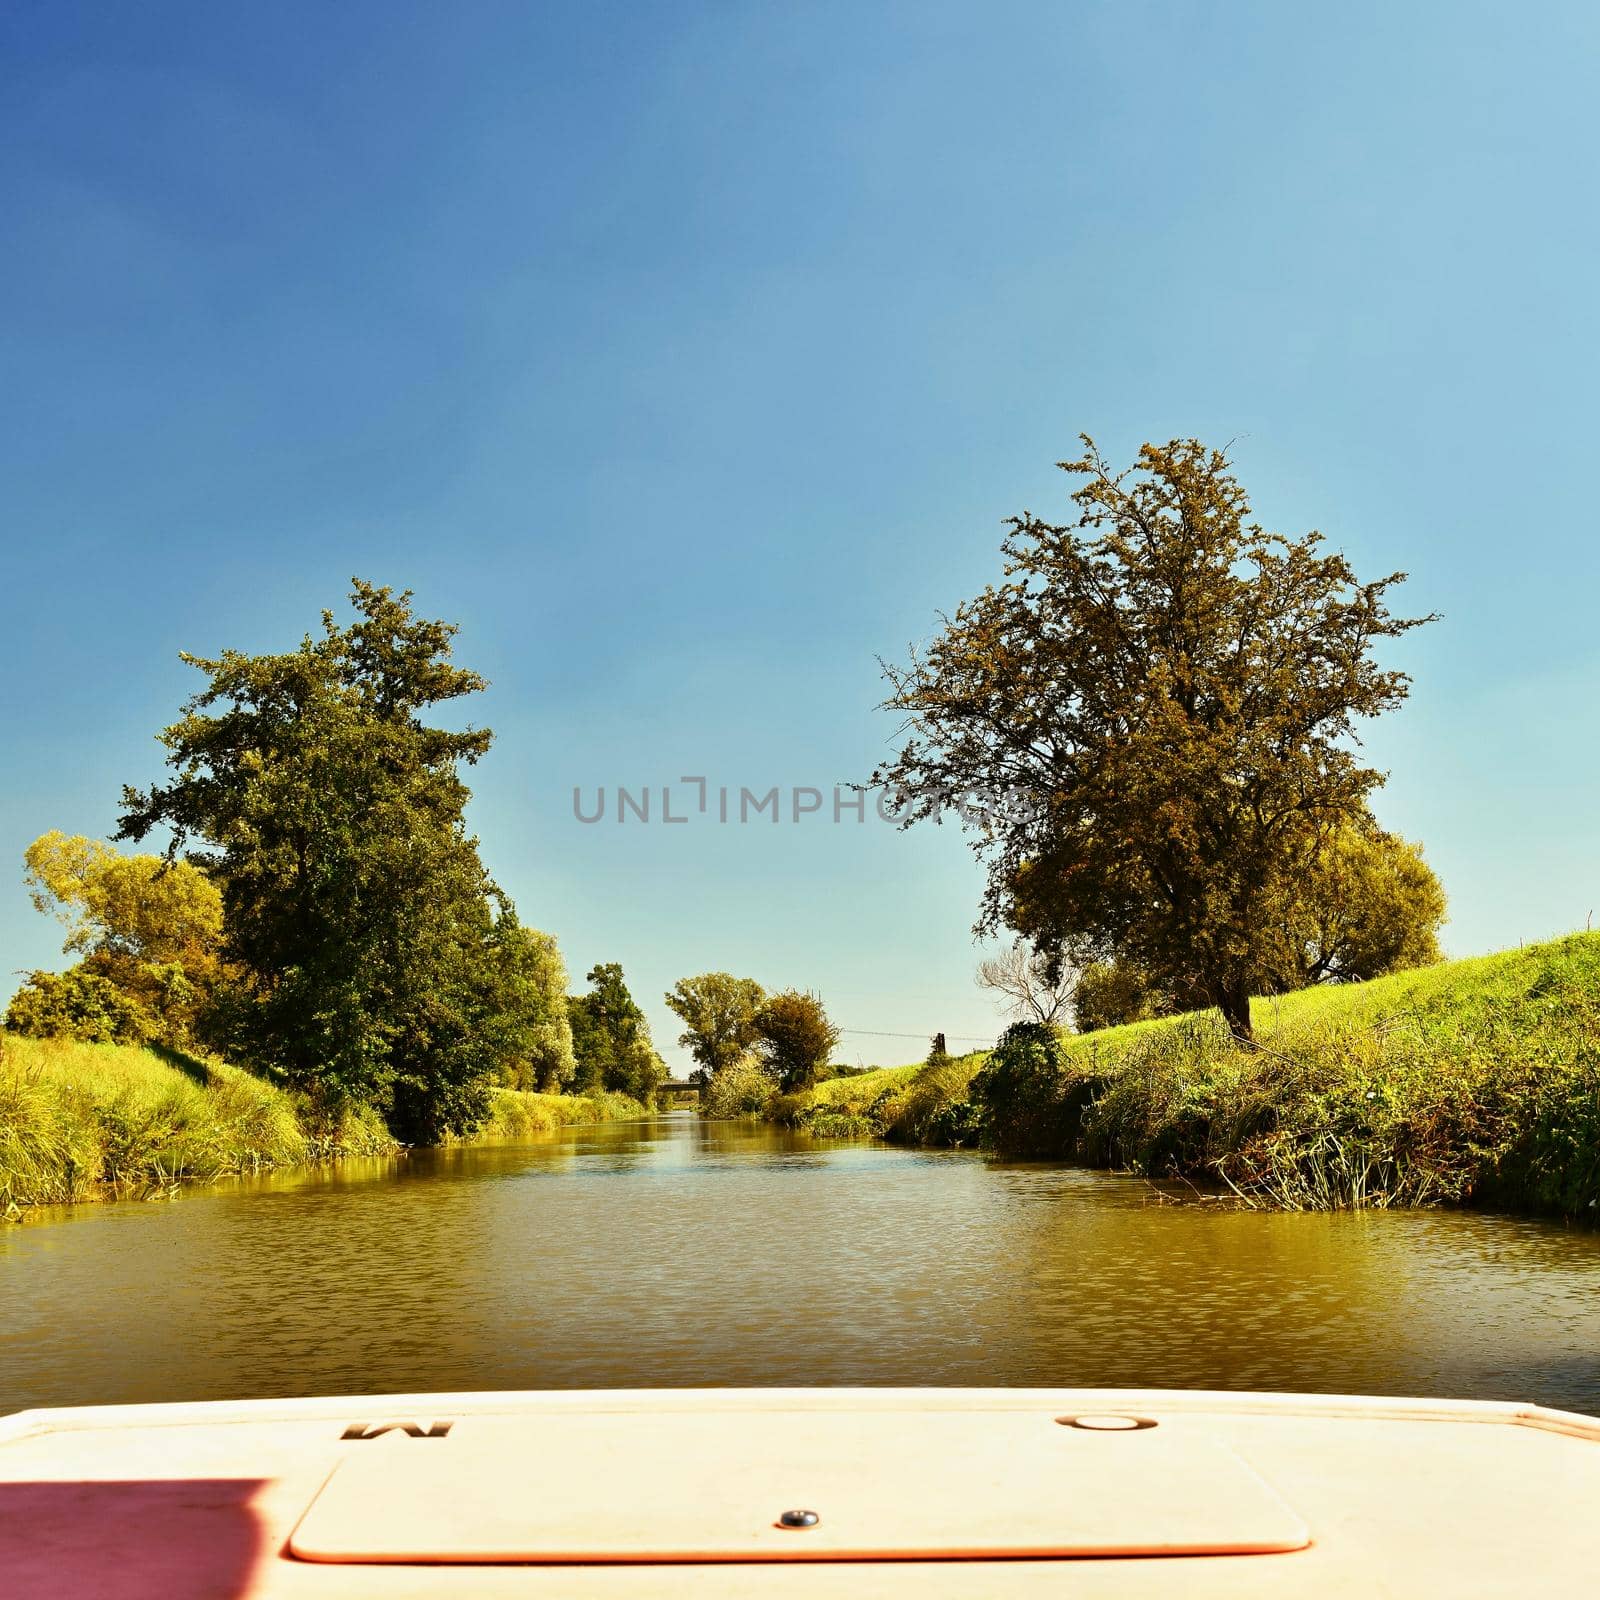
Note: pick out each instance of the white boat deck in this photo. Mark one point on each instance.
(912, 1492)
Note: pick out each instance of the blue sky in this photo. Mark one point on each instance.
(689, 356)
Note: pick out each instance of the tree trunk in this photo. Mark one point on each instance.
(1233, 1001)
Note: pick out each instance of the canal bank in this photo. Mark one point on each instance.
(1472, 1082)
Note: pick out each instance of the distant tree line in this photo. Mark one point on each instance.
(749, 1045)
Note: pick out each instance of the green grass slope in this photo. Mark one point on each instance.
(1471, 1082)
(79, 1121)
(90, 1121)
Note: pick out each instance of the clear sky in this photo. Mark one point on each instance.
(689, 356)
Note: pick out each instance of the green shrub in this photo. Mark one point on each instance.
(78, 1005)
(791, 1110)
(1027, 1102)
(934, 1107)
(740, 1089)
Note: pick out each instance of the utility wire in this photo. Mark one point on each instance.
(873, 1033)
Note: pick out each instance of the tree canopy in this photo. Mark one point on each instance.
(535, 1043)
(1151, 722)
(1369, 904)
(718, 1012)
(796, 1038)
(149, 932)
(309, 787)
(611, 1038)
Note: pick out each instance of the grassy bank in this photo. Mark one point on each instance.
(1473, 1082)
(82, 1121)
(92, 1121)
(919, 1104)
(517, 1114)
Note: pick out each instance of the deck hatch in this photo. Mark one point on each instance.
(713, 1486)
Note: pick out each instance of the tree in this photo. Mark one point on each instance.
(78, 1004)
(796, 1038)
(531, 1007)
(1032, 987)
(1369, 905)
(611, 1039)
(718, 1012)
(1108, 994)
(1149, 722)
(150, 928)
(355, 907)
(140, 906)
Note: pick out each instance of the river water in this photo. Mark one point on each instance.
(677, 1252)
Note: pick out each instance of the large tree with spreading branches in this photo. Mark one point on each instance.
(1151, 723)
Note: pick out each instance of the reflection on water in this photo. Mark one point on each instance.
(674, 1252)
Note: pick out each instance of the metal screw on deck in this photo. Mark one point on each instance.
(798, 1519)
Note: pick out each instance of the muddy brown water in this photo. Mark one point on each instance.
(675, 1252)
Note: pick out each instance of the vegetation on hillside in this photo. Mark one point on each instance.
(78, 1121)
(85, 1121)
(1474, 1082)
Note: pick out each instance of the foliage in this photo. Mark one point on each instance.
(535, 1044)
(1024, 1097)
(719, 1013)
(78, 1005)
(140, 906)
(81, 1122)
(1469, 1082)
(740, 1088)
(515, 1114)
(1369, 905)
(796, 1038)
(355, 906)
(936, 1107)
(1108, 994)
(927, 1103)
(150, 928)
(1466, 1082)
(1032, 986)
(611, 1039)
(1173, 693)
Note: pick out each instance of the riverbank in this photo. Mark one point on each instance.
(81, 1122)
(1473, 1082)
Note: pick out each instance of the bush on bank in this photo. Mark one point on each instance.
(519, 1114)
(927, 1103)
(743, 1088)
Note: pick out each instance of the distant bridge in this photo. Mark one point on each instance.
(678, 1086)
